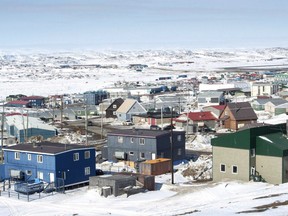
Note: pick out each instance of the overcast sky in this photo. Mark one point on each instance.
(143, 24)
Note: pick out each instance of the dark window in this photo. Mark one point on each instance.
(234, 169)
(222, 168)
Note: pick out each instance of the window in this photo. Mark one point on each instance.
(114, 112)
(179, 152)
(132, 139)
(131, 153)
(75, 156)
(87, 170)
(222, 168)
(142, 155)
(29, 157)
(87, 154)
(179, 138)
(234, 169)
(28, 172)
(114, 106)
(39, 158)
(252, 152)
(40, 175)
(120, 139)
(141, 141)
(17, 155)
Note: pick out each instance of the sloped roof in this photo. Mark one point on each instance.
(32, 98)
(219, 107)
(46, 147)
(18, 102)
(275, 144)
(126, 105)
(197, 116)
(242, 111)
(275, 101)
(210, 94)
(21, 123)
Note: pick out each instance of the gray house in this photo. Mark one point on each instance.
(128, 108)
(209, 98)
(140, 145)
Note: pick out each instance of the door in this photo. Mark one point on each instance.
(153, 156)
(52, 177)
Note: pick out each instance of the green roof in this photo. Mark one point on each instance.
(246, 139)
(275, 144)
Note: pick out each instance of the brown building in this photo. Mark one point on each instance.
(237, 115)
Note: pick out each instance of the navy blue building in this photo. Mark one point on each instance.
(95, 97)
(35, 101)
(139, 145)
(50, 162)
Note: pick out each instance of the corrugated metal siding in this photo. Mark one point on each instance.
(155, 167)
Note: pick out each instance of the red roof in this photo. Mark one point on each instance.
(13, 114)
(198, 116)
(18, 102)
(219, 107)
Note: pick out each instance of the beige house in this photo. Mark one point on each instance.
(259, 154)
(263, 89)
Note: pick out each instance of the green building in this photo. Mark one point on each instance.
(259, 153)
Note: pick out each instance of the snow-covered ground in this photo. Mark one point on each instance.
(224, 198)
(192, 193)
(44, 74)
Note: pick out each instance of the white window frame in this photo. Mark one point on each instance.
(120, 139)
(141, 141)
(87, 171)
(179, 151)
(76, 156)
(132, 139)
(39, 158)
(131, 153)
(87, 154)
(29, 157)
(17, 155)
(224, 168)
(179, 138)
(233, 169)
(114, 106)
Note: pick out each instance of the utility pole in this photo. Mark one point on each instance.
(86, 124)
(101, 120)
(2, 134)
(61, 112)
(171, 148)
(162, 118)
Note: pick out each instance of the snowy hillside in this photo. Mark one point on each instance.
(71, 72)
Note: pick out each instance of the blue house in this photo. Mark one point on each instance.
(35, 101)
(50, 162)
(140, 145)
(22, 127)
(95, 97)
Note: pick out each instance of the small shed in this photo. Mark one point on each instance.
(117, 183)
(155, 167)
